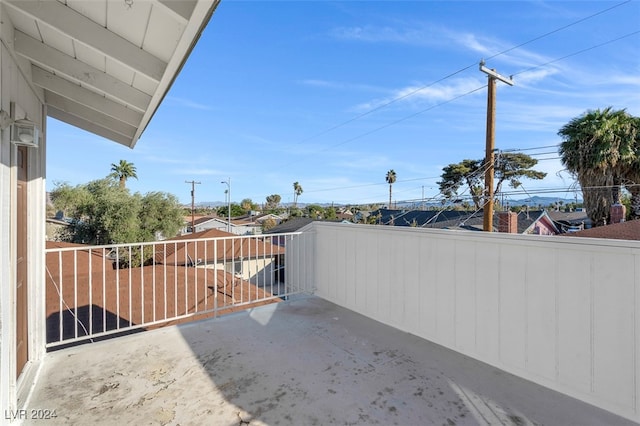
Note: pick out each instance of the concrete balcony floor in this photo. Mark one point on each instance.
(301, 362)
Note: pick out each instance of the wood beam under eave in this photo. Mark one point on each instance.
(83, 29)
(182, 8)
(85, 97)
(87, 114)
(49, 58)
(76, 121)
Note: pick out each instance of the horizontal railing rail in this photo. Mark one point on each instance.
(98, 291)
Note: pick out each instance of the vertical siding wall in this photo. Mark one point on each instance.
(558, 311)
(15, 87)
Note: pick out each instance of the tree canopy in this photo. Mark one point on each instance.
(273, 201)
(297, 191)
(469, 174)
(102, 212)
(123, 171)
(601, 148)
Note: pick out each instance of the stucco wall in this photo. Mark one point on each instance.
(559, 312)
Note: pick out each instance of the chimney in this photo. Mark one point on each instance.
(617, 213)
(508, 222)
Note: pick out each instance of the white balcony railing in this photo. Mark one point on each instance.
(97, 291)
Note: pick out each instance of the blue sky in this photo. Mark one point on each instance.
(335, 94)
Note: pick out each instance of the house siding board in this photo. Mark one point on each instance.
(14, 87)
(465, 298)
(487, 326)
(445, 293)
(613, 292)
(426, 292)
(574, 321)
(513, 314)
(541, 312)
(411, 269)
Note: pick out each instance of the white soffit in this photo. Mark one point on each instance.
(106, 65)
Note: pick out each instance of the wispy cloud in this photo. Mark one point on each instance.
(197, 172)
(426, 93)
(187, 103)
(418, 35)
(341, 85)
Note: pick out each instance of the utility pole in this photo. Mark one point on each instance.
(193, 206)
(490, 146)
(228, 183)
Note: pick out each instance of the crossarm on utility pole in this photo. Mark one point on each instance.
(487, 216)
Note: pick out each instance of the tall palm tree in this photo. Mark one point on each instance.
(632, 170)
(297, 191)
(391, 179)
(599, 149)
(123, 171)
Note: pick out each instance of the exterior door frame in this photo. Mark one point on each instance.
(22, 259)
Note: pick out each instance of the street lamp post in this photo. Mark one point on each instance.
(228, 183)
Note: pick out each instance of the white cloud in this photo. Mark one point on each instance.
(430, 94)
(187, 103)
(197, 172)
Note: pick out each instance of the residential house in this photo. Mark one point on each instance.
(616, 231)
(570, 221)
(526, 222)
(204, 223)
(254, 260)
(91, 65)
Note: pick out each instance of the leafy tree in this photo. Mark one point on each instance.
(104, 213)
(601, 148)
(123, 171)
(330, 213)
(236, 210)
(508, 167)
(248, 205)
(314, 211)
(391, 179)
(273, 201)
(160, 213)
(467, 173)
(268, 224)
(297, 191)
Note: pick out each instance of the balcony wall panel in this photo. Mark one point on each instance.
(541, 303)
(445, 293)
(574, 295)
(613, 332)
(465, 297)
(559, 311)
(487, 327)
(427, 295)
(512, 306)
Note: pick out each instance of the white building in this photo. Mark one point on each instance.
(89, 64)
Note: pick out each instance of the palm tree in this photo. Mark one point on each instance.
(599, 148)
(297, 191)
(123, 171)
(391, 179)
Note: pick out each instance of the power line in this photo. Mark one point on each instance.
(559, 29)
(578, 52)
